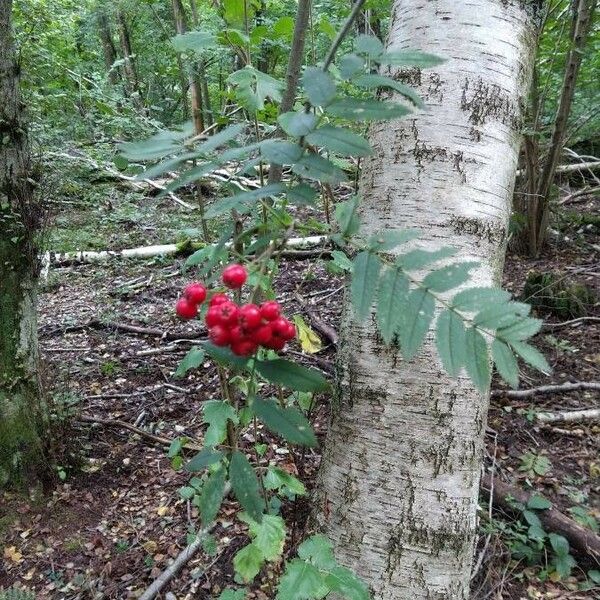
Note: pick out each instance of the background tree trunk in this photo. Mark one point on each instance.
(21, 409)
(399, 480)
(108, 47)
(131, 76)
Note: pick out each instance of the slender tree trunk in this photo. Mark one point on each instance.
(583, 11)
(194, 85)
(399, 480)
(21, 407)
(108, 48)
(131, 76)
(292, 75)
(206, 104)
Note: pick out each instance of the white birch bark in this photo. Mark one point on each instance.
(400, 473)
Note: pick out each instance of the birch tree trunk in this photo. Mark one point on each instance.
(21, 408)
(399, 480)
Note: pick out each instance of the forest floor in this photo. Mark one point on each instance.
(114, 520)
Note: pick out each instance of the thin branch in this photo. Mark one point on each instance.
(571, 416)
(342, 34)
(548, 389)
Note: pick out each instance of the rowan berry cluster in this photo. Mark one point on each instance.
(241, 327)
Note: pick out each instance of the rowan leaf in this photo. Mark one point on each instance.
(450, 340)
(391, 296)
(477, 360)
(415, 321)
(364, 283)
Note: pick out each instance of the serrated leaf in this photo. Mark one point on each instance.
(391, 295)
(450, 341)
(339, 140)
(477, 359)
(340, 259)
(538, 502)
(187, 493)
(189, 176)
(268, 536)
(277, 478)
(495, 316)
(315, 167)
(319, 86)
(158, 146)
(232, 595)
(245, 486)
(297, 124)
(521, 330)
(449, 277)
(415, 321)
(532, 518)
(365, 273)
(531, 356)
(559, 544)
(194, 41)
(505, 362)
(350, 64)
(162, 167)
(202, 460)
(377, 81)
(346, 217)
(301, 194)
(288, 422)
(292, 375)
(475, 298)
(244, 201)
(248, 562)
(281, 152)
(345, 582)
(368, 44)
(216, 413)
(211, 496)
(310, 342)
(225, 357)
(388, 239)
(220, 139)
(176, 447)
(417, 259)
(301, 581)
(355, 109)
(192, 360)
(318, 550)
(254, 87)
(409, 58)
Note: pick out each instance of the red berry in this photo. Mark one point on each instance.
(270, 310)
(213, 316)
(219, 299)
(236, 334)
(262, 335)
(186, 309)
(249, 317)
(228, 311)
(244, 347)
(290, 334)
(234, 276)
(195, 293)
(219, 335)
(275, 343)
(281, 327)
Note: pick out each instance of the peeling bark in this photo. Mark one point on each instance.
(400, 473)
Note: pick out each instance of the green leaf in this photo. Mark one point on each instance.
(281, 152)
(369, 45)
(538, 502)
(245, 486)
(254, 87)
(521, 330)
(388, 239)
(292, 375)
(377, 81)
(313, 166)
(450, 340)
(302, 194)
(232, 595)
(417, 259)
(194, 41)
(345, 582)
(192, 360)
(559, 544)
(166, 165)
(495, 316)
(319, 86)
(356, 109)
(176, 447)
(212, 496)
(202, 460)
(219, 139)
(284, 27)
(187, 493)
(350, 64)
(339, 140)
(364, 283)
(248, 562)
(297, 124)
(276, 479)
(474, 298)
(244, 201)
(564, 564)
(288, 422)
(340, 259)
(532, 518)
(301, 581)
(594, 575)
(268, 536)
(225, 357)
(216, 414)
(531, 356)
(506, 363)
(189, 176)
(391, 296)
(449, 277)
(477, 359)
(409, 58)
(415, 321)
(346, 217)
(158, 146)
(318, 550)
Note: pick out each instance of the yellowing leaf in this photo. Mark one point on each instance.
(311, 343)
(150, 546)
(162, 510)
(594, 470)
(13, 554)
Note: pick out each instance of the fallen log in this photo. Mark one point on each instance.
(548, 389)
(584, 543)
(570, 416)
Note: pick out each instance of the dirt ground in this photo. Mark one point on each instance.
(114, 520)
